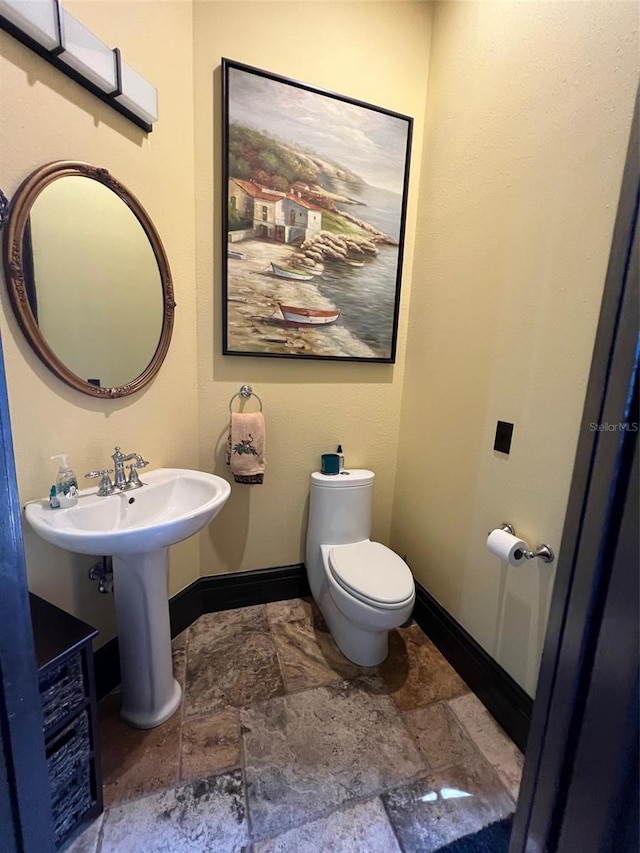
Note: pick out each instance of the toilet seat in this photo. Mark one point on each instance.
(372, 573)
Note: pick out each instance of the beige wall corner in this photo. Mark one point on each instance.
(528, 119)
(44, 117)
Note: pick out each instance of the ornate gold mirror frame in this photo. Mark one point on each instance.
(13, 257)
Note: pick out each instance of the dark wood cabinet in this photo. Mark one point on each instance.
(67, 690)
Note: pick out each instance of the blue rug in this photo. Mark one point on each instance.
(492, 839)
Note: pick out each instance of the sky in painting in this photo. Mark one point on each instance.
(371, 144)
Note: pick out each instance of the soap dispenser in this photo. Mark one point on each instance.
(66, 481)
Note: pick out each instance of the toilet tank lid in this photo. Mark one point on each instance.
(346, 478)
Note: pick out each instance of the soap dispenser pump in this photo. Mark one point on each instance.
(66, 481)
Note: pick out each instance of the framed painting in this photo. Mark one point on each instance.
(314, 200)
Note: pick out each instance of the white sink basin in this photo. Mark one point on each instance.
(173, 504)
(136, 528)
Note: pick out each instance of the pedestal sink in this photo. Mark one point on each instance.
(136, 528)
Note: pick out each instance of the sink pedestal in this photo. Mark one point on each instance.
(150, 693)
(136, 529)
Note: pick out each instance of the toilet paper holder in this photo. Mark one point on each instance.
(543, 551)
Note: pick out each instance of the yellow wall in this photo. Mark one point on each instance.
(45, 116)
(528, 120)
(376, 52)
(311, 407)
(514, 179)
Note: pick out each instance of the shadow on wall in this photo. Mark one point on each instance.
(229, 549)
(515, 623)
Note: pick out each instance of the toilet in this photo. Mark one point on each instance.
(363, 589)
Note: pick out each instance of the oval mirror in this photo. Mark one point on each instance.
(89, 279)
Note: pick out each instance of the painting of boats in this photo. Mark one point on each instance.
(314, 196)
(290, 273)
(308, 316)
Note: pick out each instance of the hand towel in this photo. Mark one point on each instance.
(245, 448)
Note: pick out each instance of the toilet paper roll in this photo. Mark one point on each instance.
(507, 547)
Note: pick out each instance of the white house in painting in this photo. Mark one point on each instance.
(283, 217)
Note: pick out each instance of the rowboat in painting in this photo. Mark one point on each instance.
(342, 260)
(234, 253)
(290, 273)
(308, 316)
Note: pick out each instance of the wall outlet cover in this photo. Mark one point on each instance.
(504, 433)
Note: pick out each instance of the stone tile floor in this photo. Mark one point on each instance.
(281, 744)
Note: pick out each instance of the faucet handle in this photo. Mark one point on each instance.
(106, 486)
(133, 481)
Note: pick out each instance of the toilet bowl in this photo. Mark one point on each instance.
(363, 588)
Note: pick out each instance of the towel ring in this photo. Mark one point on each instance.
(244, 392)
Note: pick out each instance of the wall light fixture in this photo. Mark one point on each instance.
(48, 29)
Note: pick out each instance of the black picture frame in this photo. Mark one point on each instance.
(314, 205)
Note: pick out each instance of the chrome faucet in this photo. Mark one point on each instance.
(120, 482)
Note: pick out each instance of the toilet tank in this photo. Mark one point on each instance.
(340, 508)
